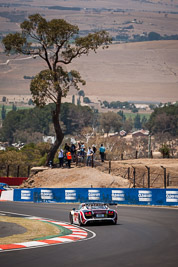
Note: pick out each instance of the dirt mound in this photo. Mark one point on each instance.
(75, 177)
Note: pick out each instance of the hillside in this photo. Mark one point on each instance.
(125, 72)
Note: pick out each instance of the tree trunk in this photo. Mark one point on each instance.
(58, 131)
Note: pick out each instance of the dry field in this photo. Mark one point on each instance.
(133, 72)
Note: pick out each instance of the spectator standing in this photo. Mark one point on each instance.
(73, 151)
(66, 148)
(82, 150)
(89, 156)
(61, 158)
(69, 157)
(94, 151)
(79, 146)
(102, 152)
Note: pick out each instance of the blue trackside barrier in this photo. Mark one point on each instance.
(131, 196)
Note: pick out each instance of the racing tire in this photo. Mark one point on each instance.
(71, 218)
(79, 220)
(115, 221)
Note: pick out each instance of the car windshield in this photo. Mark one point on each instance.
(93, 206)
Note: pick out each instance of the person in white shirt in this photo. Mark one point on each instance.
(61, 158)
(89, 156)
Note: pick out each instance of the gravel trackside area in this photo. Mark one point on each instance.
(75, 177)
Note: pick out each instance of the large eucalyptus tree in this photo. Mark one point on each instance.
(58, 43)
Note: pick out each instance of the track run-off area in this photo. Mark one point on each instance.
(144, 236)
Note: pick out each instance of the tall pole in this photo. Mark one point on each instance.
(165, 180)
(134, 177)
(148, 169)
(149, 146)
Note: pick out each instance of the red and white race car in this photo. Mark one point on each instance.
(92, 212)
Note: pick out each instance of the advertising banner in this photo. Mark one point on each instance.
(130, 196)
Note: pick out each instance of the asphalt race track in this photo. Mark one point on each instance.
(143, 237)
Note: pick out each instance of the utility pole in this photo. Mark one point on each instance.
(149, 146)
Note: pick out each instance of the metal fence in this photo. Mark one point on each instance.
(145, 177)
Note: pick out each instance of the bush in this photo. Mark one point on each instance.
(165, 151)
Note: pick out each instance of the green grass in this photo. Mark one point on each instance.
(9, 108)
(133, 115)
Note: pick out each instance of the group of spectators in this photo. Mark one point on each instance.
(73, 152)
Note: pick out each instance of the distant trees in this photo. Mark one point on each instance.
(30, 125)
(154, 36)
(75, 118)
(31, 121)
(110, 121)
(119, 104)
(3, 112)
(78, 101)
(137, 122)
(30, 102)
(4, 99)
(121, 113)
(144, 37)
(152, 106)
(73, 99)
(14, 108)
(31, 154)
(81, 93)
(28, 77)
(86, 100)
(163, 120)
(128, 125)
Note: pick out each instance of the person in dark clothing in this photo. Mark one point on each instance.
(94, 151)
(66, 148)
(102, 152)
(73, 151)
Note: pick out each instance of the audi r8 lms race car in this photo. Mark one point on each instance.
(92, 212)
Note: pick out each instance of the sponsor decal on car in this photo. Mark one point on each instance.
(70, 194)
(46, 194)
(93, 194)
(171, 196)
(145, 195)
(25, 194)
(118, 195)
